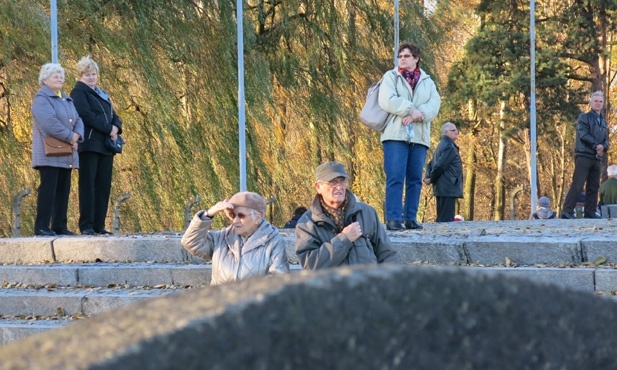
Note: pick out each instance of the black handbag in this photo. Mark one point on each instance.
(114, 146)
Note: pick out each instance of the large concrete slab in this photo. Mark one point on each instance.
(394, 317)
(26, 250)
(523, 250)
(119, 249)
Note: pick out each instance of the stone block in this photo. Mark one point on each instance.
(571, 278)
(191, 275)
(26, 250)
(136, 274)
(600, 247)
(290, 249)
(62, 275)
(523, 250)
(370, 317)
(108, 300)
(40, 302)
(118, 249)
(606, 280)
(441, 252)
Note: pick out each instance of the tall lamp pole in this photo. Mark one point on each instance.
(54, 31)
(532, 108)
(396, 32)
(241, 107)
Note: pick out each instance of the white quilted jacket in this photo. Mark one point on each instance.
(261, 254)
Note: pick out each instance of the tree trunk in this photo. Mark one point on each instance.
(470, 168)
(500, 190)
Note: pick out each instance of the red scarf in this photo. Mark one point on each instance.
(412, 77)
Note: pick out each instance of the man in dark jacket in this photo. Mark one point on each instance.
(445, 172)
(338, 229)
(589, 150)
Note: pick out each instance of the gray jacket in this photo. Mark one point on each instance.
(57, 117)
(318, 245)
(235, 259)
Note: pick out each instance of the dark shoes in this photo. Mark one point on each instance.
(88, 232)
(398, 225)
(568, 215)
(44, 232)
(103, 232)
(66, 232)
(413, 225)
(595, 215)
(394, 225)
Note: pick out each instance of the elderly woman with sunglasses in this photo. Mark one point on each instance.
(411, 98)
(248, 248)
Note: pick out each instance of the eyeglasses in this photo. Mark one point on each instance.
(233, 216)
(334, 183)
(404, 56)
(453, 130)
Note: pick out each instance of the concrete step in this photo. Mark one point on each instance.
(525, 242)
(71, 301)
(106, 274)
(15, 329)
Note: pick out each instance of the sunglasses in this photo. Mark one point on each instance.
(404, 56)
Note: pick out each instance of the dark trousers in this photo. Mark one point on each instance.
(586, 170)
(53, 198)
(94, 188)
(445, 209)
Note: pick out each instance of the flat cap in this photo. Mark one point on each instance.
(329, 171)
(249, 200)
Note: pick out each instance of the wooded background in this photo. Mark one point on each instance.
(171, 70)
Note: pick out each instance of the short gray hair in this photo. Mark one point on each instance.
(47, 70)
(596, 93)
(445, 126)
(612, 170)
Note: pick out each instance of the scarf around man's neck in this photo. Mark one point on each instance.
(412, 77)
(337, 215)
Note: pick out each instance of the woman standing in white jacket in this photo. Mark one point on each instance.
(410, 95)
(249, 247)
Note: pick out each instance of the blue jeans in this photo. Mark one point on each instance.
(403, 164)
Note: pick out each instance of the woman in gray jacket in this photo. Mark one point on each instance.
(54, 115)
(249, 247)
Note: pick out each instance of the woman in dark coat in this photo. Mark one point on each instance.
(54, 115)
(95, 160)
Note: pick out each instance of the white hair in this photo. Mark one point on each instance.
(47, 70)
(612, 170)
(445, 126)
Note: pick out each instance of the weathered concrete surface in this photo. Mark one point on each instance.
(26, 250)
(568, 278)
(523, 250)
(379, 317)
(67, 301)
(118, 249)
(12, 330)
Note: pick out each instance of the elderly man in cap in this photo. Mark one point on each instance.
(249, 247)
(338, 229)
